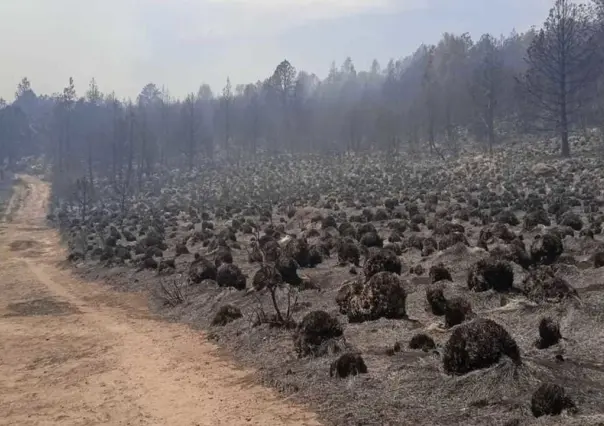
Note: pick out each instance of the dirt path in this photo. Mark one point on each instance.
(75, 353)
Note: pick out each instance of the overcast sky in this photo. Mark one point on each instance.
(125, 44)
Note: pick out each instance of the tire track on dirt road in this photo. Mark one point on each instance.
(75, 353)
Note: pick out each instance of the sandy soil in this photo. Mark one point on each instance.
(75, 353)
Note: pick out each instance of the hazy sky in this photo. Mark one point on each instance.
(125, 44)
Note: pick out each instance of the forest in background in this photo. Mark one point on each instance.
(545, 82)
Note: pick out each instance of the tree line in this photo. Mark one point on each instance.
(440, 98)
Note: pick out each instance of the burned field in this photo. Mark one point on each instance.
(379, 290)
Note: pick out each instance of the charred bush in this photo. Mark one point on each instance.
(599, 259)
(348, 252)
(271, 250)
(268, 276)
(478, 344)
(229, 275)
(429, 246)
(345, 293)
(572, 220)
(181, 249)
(546, 249)
(313, 334)
(550, 400)
(457, 310)
(536, 217)
(288, 268)
(439, 272)
(423, 342)
(491, 233)
(549, 333)
(508, 218)
(201, 269)
(223, 255)
(328, 222)
(436, 299)
(487, 274)
(451, 239)
(382, 296)
(297, 248)
(542, 284)
(226, 314)
(382, 261)
(371, 239)
(348, 364)
(512, 253)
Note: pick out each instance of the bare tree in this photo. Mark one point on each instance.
(227, 100)
(563, 61)
(486, 84)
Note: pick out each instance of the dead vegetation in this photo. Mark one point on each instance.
(444, 293)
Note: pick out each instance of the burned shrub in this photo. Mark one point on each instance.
(201, 269)
(546, 249)
(418, 270)
(512, 253)
(391, 203)
(110, 242)
(381, 215)
(149, 263)
(181, 249)
(599, 259)
(255, 254)
(380, 261)
(382, 296)
(414, 241)
(395, 237)
(371, 239)
(268, 276)
(223, 255)
(345, 293)
(491, 233)
(297, 248)
(550, 400)
(572, 220)
(436, 299)
(166, 265)
(451, 239)
(422, 342)
(542, 284)
(328, 222)
(348, 252)
(419, 218)
(288, 268)
(123, 253)
(348, 364)
(429, 246)
(478, 344)
(315, 255)
(536, 217)
(487, 274)
(367, 228)
(314, 333)
(438, 273)
(229, 275)
(457, 310)
(549, 333)
(446, 228)
(129, 236)
(347, 229)
(508, 218)
(271, 250)
(226, 314)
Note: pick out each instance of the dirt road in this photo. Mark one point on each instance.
(75, 353)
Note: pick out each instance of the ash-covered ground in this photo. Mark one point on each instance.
(515, 238)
